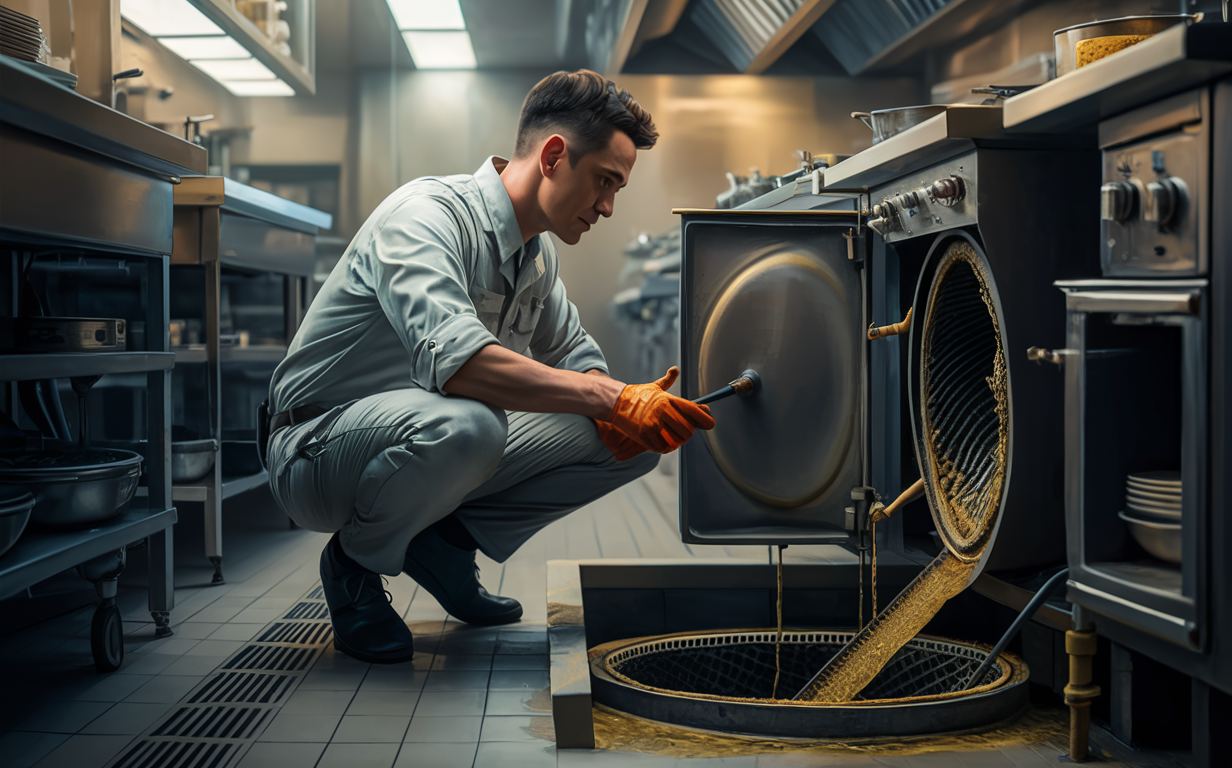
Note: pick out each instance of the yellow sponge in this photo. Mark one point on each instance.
(1098, 47)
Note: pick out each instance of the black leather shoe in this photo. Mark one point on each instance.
(365, 625)
(450, 574)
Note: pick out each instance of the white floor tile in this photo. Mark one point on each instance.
(400, 703)
(84, 752)
(126, 718)
(236, 632)
(518, 680)
(371, 729)
(106, 687)
(359, 756)
(165, 689)
(451, 704)
(144, 664)
(196, 630)
(495, 754)
(436, 755)
(174, 646)
(269, 755)
(63, 716)
(21, 749)
(518, 703)
(445, 680)
(516, 728)
(301, 728)
(194, 665)
(215, 648)
(317, 703)
(445, 729)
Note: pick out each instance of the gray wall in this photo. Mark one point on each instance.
(425, 123)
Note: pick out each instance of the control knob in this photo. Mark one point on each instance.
(948, 191)
(1116, 200)
(1163, 201)
(884, 218)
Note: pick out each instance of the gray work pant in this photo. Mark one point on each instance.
(382, 469)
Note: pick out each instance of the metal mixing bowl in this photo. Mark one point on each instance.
(192, 459)
(885, 123)
(15, 505)
(1162, 540)
(75, 487)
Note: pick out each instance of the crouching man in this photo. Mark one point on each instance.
(442, 396)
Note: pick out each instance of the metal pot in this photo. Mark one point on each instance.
(1065, 41)
(15, 505)
(75, 487)
(884, 123)
(192, 459)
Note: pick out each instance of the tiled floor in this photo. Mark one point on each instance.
(472, 696)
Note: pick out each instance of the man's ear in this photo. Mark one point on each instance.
(553, 153)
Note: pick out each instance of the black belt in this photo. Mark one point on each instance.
(294, 416)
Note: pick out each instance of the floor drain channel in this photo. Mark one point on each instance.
(215, 724)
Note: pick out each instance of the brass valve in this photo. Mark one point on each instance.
(890, 330)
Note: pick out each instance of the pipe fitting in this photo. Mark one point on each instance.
(890, 330)
(1080, 645)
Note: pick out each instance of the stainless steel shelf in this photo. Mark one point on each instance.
(1175, 60)
(63, 365)
(260, 353)
(233, 486)
(39, 555)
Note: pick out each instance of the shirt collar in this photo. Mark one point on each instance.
(500, 210)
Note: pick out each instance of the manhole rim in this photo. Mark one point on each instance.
(1014, 670)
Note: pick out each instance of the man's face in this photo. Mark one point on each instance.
(573, 197)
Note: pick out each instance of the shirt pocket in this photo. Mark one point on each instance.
(488, 305)
(524, 324)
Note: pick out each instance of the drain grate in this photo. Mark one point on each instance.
(243, 688)
(179, 754)
(297, 633)
(316, 594)
(214, 722)
(306, 610)
(272, 658)
(741, 665)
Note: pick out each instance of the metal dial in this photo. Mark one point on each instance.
(1117, 200)
(948, 191)
(1163, 201)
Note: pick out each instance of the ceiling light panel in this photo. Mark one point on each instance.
(427, 14)
(258, 87)
(168, 17)
(234, 69)
(440, 50)
(213, 47)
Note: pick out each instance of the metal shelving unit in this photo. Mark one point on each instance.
(75, 172)
(223, 230)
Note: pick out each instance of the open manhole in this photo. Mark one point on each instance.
(723, 681)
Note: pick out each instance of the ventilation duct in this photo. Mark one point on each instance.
(752, 34)
(857, 32)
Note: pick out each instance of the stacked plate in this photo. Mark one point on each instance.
(21, 36)
(1153, 512)
(1154, 495)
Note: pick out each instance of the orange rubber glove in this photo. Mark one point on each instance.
(653, 418)
(621, 445)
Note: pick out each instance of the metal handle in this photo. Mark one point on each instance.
(1145, 302)
(126, 74)
(864, 117)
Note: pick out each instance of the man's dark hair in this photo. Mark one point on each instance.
(584, 107)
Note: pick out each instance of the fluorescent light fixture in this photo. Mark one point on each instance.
(258, 87)
(440, 50)
(213, 47)
(234, 69)
(168, 17)
(427, 14)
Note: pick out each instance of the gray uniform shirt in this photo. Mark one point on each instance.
(437, 272)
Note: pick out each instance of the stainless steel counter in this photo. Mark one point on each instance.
(38, 105)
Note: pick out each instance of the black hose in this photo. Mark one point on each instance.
(1042, 595)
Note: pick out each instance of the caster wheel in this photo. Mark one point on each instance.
(107, 637)
(218, 578)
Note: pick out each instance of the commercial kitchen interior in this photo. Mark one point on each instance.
(186, 173)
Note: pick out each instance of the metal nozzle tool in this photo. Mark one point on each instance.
(748, 383)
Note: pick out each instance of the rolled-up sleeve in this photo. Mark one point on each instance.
(560, 341)
(422, 270)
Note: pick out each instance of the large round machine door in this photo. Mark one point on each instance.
(775, 293)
